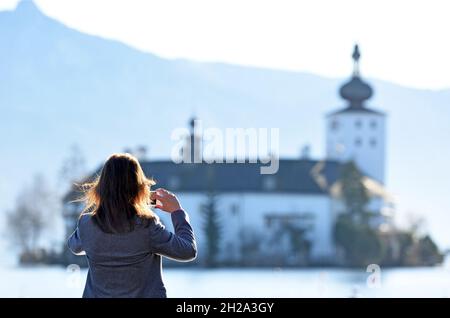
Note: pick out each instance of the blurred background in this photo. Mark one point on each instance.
(360, 94)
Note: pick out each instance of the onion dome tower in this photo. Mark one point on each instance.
(357, 132)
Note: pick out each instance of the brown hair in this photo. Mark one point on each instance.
(118, 195)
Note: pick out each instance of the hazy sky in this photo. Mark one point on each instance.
(404, 42)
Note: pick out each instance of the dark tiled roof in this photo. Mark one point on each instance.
(293, 176)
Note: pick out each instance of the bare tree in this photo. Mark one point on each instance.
(73, 168)
(32, 216)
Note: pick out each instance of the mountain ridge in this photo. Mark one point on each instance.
(31, 6)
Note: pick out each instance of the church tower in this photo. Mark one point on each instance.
(357, 132)
(191, 152)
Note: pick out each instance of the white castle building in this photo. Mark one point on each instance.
(287, 217)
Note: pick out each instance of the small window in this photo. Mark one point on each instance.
(334, 125)
(373, 124)
(268, 221)
(234, 209)
(358, 142)
(373, 142)
(358, 124)
(269, 183)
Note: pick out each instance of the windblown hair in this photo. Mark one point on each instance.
(119, 195)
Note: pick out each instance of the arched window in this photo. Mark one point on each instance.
(358, 123)
(234, 209)
(373, 124)
(334, 125)
(358, 142)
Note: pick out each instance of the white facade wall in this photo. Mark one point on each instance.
(248, 211)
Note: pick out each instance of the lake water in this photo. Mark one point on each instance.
(411, 282)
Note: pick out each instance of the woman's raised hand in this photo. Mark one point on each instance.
(165, 200)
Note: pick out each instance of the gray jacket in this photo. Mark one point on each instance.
(129, 264)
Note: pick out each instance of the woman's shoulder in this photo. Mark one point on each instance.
(151, 223)
(85, 218)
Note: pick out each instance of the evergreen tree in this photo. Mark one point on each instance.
(211, 228)
(360, 242)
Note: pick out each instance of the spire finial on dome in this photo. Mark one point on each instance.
(192, 123)
(356, 55)
(356, 91)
